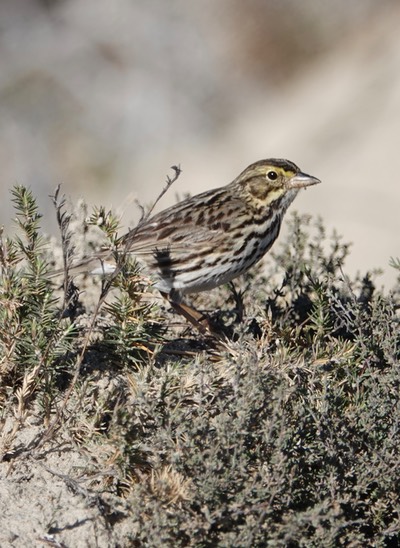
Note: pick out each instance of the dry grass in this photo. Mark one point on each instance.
(285, 435)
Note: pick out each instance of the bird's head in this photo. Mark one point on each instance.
(267, 181)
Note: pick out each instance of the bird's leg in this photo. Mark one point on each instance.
(196, 318)
(238, 299)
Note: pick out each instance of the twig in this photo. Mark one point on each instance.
(120, 261)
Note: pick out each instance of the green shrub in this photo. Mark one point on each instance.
(285, 434)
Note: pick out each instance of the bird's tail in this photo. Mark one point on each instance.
(100, 264)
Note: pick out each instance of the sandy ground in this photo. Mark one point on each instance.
(41, 506)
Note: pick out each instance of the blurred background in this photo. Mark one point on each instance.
(104, 97)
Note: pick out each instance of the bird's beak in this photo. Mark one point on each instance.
(301, 180)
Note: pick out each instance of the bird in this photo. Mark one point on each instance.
(211, 238)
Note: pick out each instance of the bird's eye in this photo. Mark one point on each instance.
(272, 175)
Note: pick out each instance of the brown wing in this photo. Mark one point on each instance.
(195, 226)
(203, 221)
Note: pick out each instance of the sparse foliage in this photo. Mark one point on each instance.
(285, 435)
